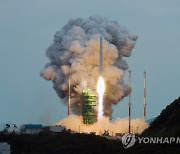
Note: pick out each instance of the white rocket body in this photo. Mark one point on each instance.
(101, 58)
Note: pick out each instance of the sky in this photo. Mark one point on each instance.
(27, 29)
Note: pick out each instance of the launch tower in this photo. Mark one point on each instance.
(88, 101)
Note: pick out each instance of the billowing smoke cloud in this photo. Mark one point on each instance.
(120, 125)
(74, 53)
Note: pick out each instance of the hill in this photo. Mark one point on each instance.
(60, 143)
(167, 123)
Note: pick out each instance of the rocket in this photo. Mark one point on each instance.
(101, 58)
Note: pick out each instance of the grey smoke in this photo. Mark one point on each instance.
(74, 53)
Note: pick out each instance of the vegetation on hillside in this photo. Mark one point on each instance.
(167, 123)
(60, 143)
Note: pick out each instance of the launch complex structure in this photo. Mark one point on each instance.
(88, 101)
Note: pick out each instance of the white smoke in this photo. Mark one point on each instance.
(120, 125)
(74, 53)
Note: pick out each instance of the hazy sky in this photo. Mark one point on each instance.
(27, 29)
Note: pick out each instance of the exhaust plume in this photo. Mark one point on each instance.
(74, 53)
(120, 125)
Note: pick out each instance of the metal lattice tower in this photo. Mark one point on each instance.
(129, 103)
(69, 96)
(88, 101)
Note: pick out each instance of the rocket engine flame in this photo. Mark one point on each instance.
(100, 91)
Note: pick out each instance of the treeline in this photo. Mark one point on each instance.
(60, 143)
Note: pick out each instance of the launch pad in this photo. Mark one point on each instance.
(88, 101)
